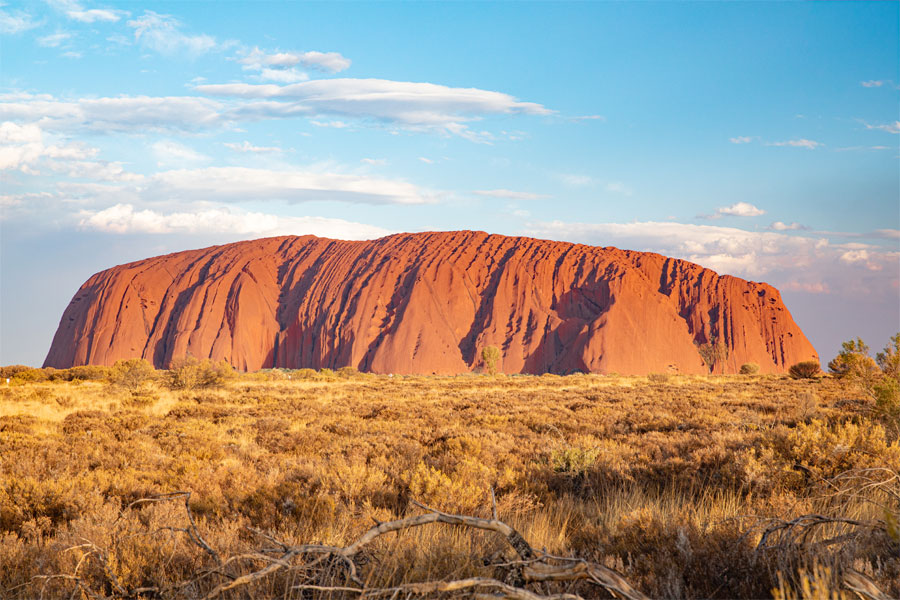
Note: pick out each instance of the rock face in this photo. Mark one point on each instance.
(427, 303)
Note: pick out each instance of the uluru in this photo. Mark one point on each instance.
(427, 303)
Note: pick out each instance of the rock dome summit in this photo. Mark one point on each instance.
(427, 303)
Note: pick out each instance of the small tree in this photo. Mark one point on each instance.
(131, 374)
(808, 369)
(854, 364)
(490, 355)
(712, 353)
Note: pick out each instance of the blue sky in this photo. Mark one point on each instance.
(757, 139)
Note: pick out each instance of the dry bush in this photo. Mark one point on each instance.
(671, 483)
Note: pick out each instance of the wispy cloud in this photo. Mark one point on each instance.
(575, 180)
(15, 22)
(329, 62)
(741, 139)
(245, 184)
(54, 40)
(119, 114)
(799, 143)
(872, 83)
(780, 226)
(170, 153)
(332, 124)
(76, 11)
(163, 34)
(510, 194)
(741, 209)
(374, 161)
(125, 218)
(246, 146)
(416, 106)
(888, 127)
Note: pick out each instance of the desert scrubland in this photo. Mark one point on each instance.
(686, 486)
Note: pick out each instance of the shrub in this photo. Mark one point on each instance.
(658, 377)
(347, 372)
(749, 369)
(807, 369)
(131, 374)
(490, 355)
(713, 353)
(854, 363)
(13, 370)
(188, 373)
(889, 360)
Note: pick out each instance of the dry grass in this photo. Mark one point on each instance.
(673, 482)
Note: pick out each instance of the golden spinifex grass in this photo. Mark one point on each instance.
(688, 487)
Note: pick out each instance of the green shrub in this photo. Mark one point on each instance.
(889, 360)
(304, 374)
(854, 363)
(749, 369)
(347, 372)
(131, 374)
(188, 373)
(13, 370)
(490, 355)
(807, 369)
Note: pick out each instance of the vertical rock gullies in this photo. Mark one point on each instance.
(426, 303)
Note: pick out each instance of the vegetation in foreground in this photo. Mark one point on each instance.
(688, 487)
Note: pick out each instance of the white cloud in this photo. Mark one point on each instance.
(333, 124)
(162, 33)
(331, 62)
(246, 146)
(779, 226)
(120, 114)
(417, 106)
(23, 148)
(888, 127)
(741, 139)
(425, 160)
(510, 194)
(852, 256)
(246, 184)
(171, 153)
(283, 75)
(801, 143)
(574, 180)
(740, 209)
(97, 14)
(872, 83)
(124, 218)
(13, 23)
(53, 40)
(75, 11)
(374, 161)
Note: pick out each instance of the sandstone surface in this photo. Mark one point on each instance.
(427, 303)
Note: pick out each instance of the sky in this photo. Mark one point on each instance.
(756, 139)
